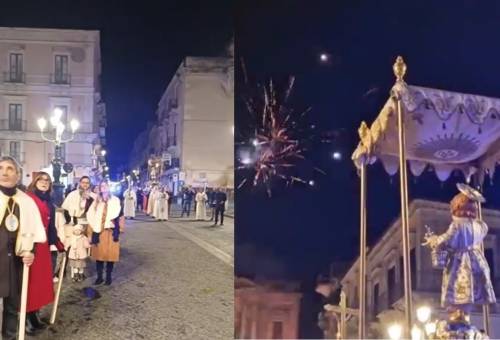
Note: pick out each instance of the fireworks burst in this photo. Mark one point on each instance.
(277, 141)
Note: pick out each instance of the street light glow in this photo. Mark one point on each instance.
(323, 57)
(311, 183)
(416, 333)
(246, 160)
(103, 152)
(423, 314)
(74, 125)
(58, 113)
(255, 142)
(42, 123)
(395, 331)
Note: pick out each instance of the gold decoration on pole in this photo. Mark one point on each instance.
(399, 69)
(344, 312)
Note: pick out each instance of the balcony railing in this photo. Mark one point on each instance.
(12, 125)
(60, 78)
(14, 77)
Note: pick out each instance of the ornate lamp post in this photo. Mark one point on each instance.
(58, 128)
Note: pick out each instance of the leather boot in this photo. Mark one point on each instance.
(109, 270)
(31, 330)
(99, 269)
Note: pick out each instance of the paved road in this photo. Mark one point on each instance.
(168, 285)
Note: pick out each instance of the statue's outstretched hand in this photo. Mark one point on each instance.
(430, 241)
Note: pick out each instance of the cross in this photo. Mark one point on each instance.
(344, 312)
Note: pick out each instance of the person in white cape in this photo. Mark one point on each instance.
(152, 200)
(201, 205)
(20, 227)
(106, 222)
(78, 202)
(129, 203)
(161, 205)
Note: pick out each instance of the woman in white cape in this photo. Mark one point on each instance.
(106, 223)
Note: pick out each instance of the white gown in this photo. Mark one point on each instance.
(201, 200)
(151, 202)
(161, 206)
(129, 204)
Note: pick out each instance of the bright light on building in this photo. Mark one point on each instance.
(311, 183)
(395, 331)
(323, 57)
(337, 156)
(423, 314)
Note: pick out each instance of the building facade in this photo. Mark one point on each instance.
(45, 69)
(267, 310)
(385, 267)
(192, 142)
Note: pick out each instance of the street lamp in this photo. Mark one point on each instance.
(395, 331)
(103, 152)
(58, 127)
(423, 314)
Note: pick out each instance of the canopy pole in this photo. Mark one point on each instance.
(486, 308)
(399, 69)
(362, 256)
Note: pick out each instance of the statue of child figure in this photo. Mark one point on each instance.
(78, 253)
(466, 274)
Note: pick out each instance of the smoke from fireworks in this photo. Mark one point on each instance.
(277, 141)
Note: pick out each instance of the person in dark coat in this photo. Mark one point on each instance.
(220, 206)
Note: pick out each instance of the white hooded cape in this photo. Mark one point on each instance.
(96, 210)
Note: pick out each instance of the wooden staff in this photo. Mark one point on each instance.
(58, 292)
(24, 300)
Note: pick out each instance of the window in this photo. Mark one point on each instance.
(61, 71)
(277, 330)
(376, 302)
(15, 117)
(391, 285)
(15, 150)
(15, 67)
(175, 134)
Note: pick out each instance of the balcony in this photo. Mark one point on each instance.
(60, 79)
(14, 77)
(12, 125)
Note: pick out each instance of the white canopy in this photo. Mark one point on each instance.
(447, 130)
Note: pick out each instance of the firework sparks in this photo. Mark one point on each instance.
(276, 142)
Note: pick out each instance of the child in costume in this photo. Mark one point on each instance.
(78, 253)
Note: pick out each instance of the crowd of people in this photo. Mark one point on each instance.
(35, 234)
(156, 201)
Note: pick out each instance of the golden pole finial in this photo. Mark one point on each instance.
(399, 68)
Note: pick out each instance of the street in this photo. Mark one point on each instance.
(174, 281)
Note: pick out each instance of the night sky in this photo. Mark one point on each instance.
(142, 45)
(449, 45)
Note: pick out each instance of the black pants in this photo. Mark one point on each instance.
(219, 211)
(100, 266)
(186, 208)
(9, 323)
